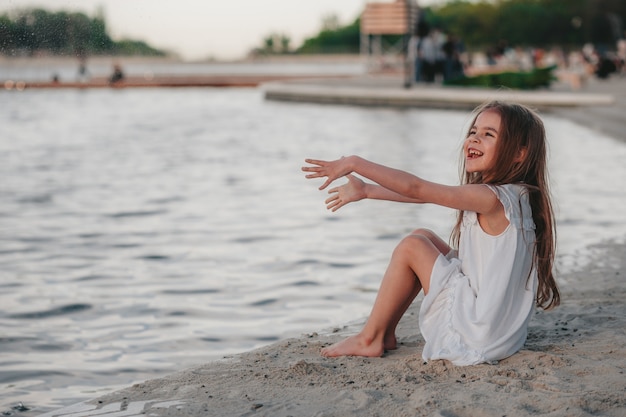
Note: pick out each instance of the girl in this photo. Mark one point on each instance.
(478, 299)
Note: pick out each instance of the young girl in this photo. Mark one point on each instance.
(478, 299)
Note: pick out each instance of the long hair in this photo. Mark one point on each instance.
(521, 129)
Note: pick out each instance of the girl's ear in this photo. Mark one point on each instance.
(521, 155)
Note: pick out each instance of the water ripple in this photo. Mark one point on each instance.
(14, 376)
(265, 302)
(36, 199)
(253, 239)
(92, 277)
(191, 291)
(138, 213)
(154, 257)
(57, 311)
(305, 284)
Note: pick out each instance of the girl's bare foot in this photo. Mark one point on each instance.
(354, 346)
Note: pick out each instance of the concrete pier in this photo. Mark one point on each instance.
(389, 92)
(599, 104)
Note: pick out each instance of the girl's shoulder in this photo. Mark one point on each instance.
(516, 203)
(511, 191)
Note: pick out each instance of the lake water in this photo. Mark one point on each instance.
(146, 231)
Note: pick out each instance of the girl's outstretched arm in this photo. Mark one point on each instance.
(393, 179)
(473, 197)
(356, 189)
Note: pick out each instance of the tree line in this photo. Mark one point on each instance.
(541, 23)
(33, 31)
(537, 23)
(332, 38)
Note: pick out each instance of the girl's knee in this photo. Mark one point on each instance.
(426, 233)
(433, 238)
(412, 244)
(423, 232)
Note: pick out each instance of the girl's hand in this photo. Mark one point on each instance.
(353, 190)
(329, 169)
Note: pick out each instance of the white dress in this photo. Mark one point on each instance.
(480, 302)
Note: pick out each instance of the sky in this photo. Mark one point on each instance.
(201, 29)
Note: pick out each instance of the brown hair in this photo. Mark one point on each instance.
(521, 129)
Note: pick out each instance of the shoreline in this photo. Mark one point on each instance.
(572, 364)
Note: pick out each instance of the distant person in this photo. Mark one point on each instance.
(428, 54)
(606, 66)
(621, 55)
(83, 72)
(478, 298)
(422, 29)
(452, 48)
(118, 74)
(439, 39)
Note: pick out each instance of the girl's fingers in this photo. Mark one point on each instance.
(334, 203)
(311, 169)
(315, 162)
(326, 184)
(315, 172)
(336, 206)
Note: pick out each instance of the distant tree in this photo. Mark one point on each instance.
(79, 33)
(285, 42)
(130, 47)
(473, 22)
(275, 43)
(100, 40)
(268, 44)
(7, 33)
(484, 23)
(341, 39)
(530, 22)
(25, 32)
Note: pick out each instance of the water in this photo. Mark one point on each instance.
(146, 231)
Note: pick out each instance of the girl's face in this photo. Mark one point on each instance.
(480, 145)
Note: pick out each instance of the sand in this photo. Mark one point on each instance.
(572, 365)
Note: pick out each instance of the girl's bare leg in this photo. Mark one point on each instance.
(444, 248)
(408, 272)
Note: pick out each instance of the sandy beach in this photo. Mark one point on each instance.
(573, 362)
